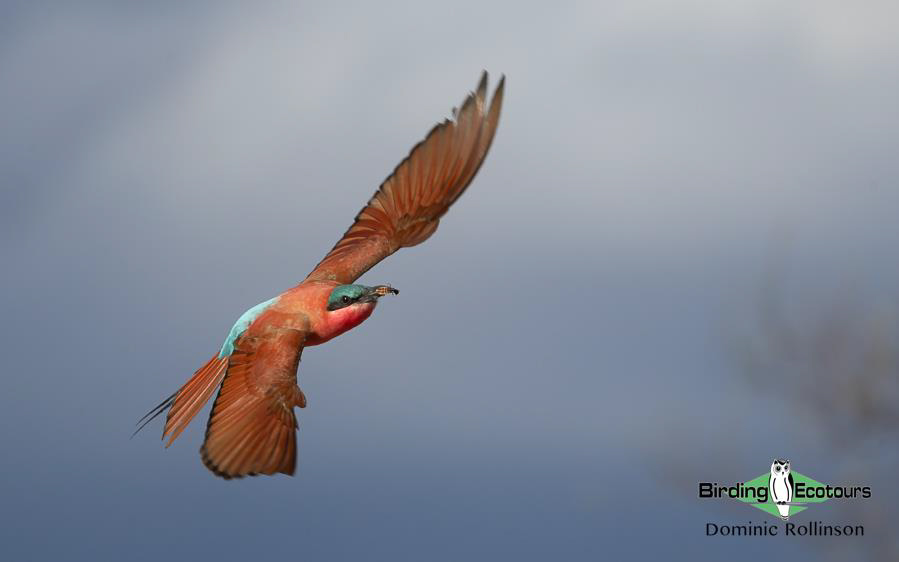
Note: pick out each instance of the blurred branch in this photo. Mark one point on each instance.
(839, 361)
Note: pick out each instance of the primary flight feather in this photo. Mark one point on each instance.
(252, 426)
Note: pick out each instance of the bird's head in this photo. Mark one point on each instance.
(347, 307)
(345, 296)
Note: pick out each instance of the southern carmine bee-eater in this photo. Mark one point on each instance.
(252, 426)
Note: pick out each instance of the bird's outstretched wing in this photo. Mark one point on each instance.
(252, 427)
(407, 207)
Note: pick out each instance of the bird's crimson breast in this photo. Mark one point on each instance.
(339, 321)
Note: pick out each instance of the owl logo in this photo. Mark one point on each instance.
(780, 484)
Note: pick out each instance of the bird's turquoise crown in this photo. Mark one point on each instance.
(351, 292)
(345, 295)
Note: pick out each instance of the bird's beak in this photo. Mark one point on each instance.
(378, 291)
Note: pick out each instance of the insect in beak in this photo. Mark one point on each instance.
(382, 290)
(374, 293)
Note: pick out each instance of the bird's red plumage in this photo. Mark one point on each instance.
(252, 426)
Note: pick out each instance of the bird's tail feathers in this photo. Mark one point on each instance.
(154, 413)
(184, 405)
(191, 398)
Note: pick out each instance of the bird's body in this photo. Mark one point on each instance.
(308, 301)
(252, 425)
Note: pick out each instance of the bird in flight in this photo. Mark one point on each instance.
(252, 425)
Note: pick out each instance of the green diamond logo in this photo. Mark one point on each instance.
(798, 502)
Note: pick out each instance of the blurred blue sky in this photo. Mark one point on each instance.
(560, 345)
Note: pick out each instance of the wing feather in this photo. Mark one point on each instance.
(252, 426)
(406, 208)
